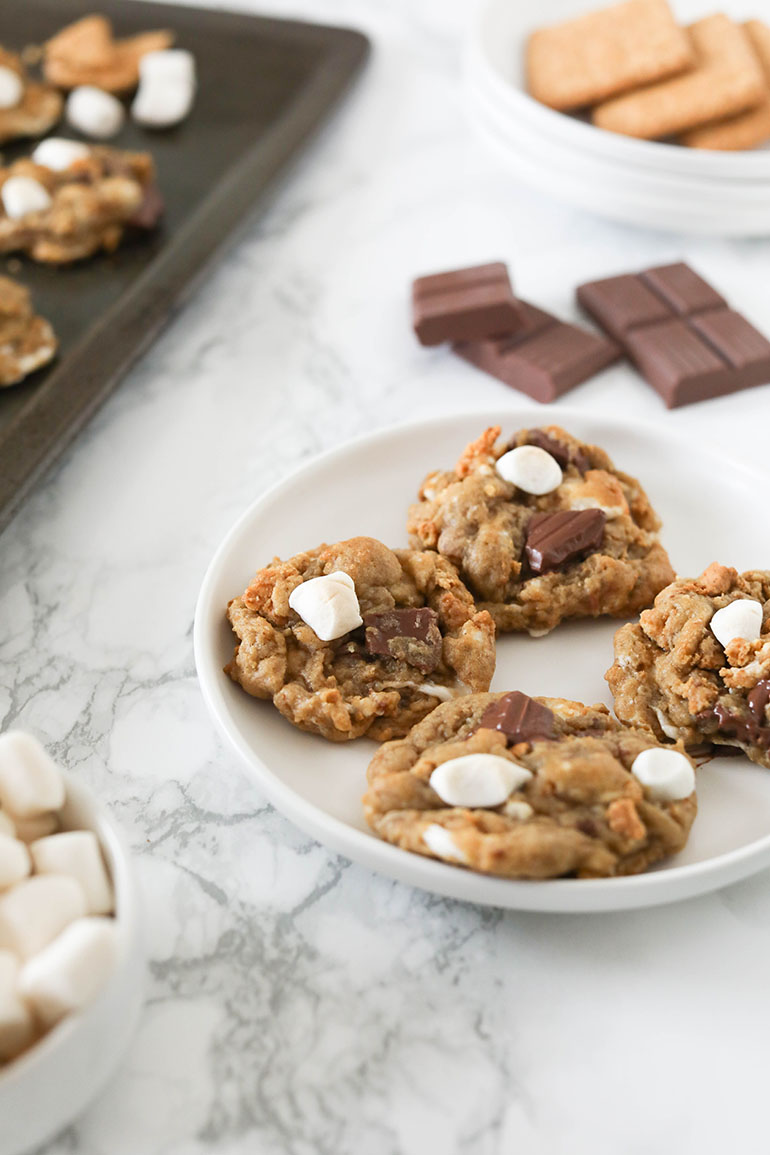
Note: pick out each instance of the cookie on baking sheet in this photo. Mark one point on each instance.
(727, 79)
(86, 52)
(27, 342)
(355, 638)
(696, 667)
(26, 108)
(600, 54)
(747, 129)
(531, 788)
(543, 528)
(59, 215)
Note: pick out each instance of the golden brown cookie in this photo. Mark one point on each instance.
(355, 638)
(585, 545)
(91, 204)
(678, 672)
(598, 55)
(39, 107)
(747, 129)
(87, 53)
(727, 79)
(531, 788)
(27, 342)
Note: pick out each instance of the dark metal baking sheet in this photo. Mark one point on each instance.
(264, 86)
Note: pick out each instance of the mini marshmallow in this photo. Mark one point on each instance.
(14, 861)
(666, 775)
(78, 854)
(17, 1029)
(440, 841)
(7, 825)
(170, 65)
(11, 88)
(530, 469)
(328, 605)
(40, 826)
(30, 781)
(22, 195)
(58, 154)
(740, 619)
(36, 910)
(70, 972)
(161, 104)
(95, 112)
(478, 780)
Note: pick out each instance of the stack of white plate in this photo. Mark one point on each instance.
(641, 182)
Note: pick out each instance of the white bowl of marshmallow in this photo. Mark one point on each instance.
(71, 964)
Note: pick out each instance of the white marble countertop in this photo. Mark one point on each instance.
(298, 1004)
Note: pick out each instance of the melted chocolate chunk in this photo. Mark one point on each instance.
(553, 539)
(519, 717)
(758, 699)
(150, 210)
(744, 729)
(410, 636)
(557, 449)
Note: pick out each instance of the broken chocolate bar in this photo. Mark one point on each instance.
(679, 332)
(410, 636)
(519, 717)
(543, 360)
(556, 538)
(465, 305)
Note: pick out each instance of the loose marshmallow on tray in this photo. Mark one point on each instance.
(328, 604)
(71, 970)
(58, 154)
(30, 781)
(17, 1029)
(22, 195)
(78, 854)
(33, 912)
(166, 88)
(94, 112)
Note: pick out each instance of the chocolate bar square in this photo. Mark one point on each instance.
(465, 305)
(679, 332)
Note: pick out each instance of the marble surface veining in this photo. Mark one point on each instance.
(298, 1004)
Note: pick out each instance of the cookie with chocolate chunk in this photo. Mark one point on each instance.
(696, 667)
(543, 528)
(533, 788)
(355, 638)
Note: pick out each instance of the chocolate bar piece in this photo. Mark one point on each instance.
(679, 332)
(410, 636)
(545, 359)
(465, 305)
(556, 538)
(519, 717)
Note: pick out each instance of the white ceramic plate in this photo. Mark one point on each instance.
(711, 508)
(618, 192)
(495, 55)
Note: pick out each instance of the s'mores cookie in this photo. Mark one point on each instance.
(696, 667)
(355, 638)
(26, 107)
(582, 61)
(727, 79)
(542, 528)
(535, 788)
(27, 341)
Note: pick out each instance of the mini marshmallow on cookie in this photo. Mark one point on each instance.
(166, 88)
(742, 618)
(597, 489)
(11, 88)
(531, 469)
(328, 604)
(478, 780)
(22, 195)
(58, 154)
